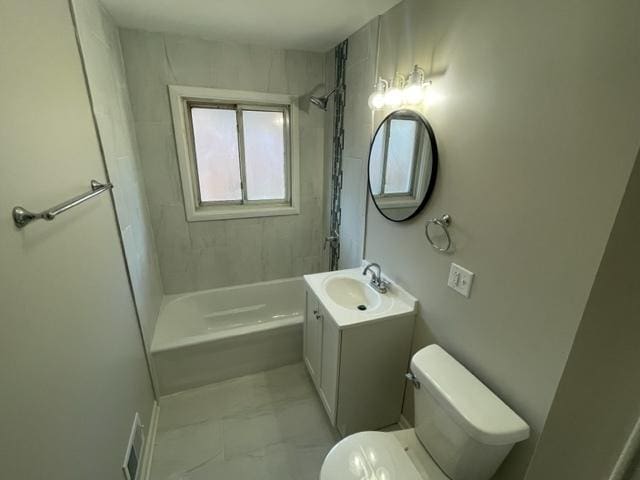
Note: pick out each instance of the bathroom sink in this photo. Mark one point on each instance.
(351, 293)
(349, 299)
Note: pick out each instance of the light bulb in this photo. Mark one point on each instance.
(413, 94)
(376, 100)
(393, 97)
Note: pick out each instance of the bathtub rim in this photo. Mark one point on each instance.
(173, 297)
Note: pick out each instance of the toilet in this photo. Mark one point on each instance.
(463, 431)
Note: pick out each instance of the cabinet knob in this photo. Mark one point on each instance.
(316, 313)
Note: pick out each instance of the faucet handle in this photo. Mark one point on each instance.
(383, 285)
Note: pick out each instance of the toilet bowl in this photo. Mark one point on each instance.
(463, 431)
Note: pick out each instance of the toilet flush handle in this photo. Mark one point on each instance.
(412, 378)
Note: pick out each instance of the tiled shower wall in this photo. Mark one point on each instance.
(104, 67)
(360, 66)
(357, 128)
(201, 255)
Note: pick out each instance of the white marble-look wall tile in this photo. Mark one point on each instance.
(101, 51)
(353, 208)
(201, 255)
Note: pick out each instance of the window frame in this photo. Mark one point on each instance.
(183, 99)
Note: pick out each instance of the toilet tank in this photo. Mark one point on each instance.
(464, 426)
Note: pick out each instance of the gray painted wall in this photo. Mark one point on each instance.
(537, 131)
(201, 255)
(72, 365)
(102, 53)
(598, 399)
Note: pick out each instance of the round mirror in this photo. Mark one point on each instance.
(403, 163)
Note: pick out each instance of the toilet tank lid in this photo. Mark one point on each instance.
(474, 407)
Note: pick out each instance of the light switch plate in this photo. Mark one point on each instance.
(460, 279)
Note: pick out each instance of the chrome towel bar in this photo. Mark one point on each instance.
(23, 217)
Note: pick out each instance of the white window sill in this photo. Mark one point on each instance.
(205, 214)
(397, 203)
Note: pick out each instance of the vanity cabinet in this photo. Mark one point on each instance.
(357, 370)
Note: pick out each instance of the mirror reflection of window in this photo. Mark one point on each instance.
(400, 158)
(393, 158)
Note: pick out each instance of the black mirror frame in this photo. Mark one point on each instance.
(434, 167)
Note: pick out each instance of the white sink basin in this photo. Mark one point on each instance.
(351, 293)
(342, 292)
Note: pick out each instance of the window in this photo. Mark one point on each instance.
(237, 152)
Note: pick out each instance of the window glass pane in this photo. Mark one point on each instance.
(264, 154)
(376, 161)
(215, 136)
(402, 141)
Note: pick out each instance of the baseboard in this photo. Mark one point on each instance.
(404, 423)
(150, 441)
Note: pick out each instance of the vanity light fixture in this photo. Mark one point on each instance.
(401, 91)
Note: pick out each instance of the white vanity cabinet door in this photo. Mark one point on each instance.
(374, 358)
(330, 365)
(321, 351)
(312, 340)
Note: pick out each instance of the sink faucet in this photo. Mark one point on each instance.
(377, 282)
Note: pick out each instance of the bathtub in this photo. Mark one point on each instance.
(212, 335)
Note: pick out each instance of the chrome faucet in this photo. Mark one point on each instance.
(377, 282)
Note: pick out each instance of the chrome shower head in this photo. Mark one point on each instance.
(321, 102)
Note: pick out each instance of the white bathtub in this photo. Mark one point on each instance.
(212, 335)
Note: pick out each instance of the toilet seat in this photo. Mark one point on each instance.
(370, 456)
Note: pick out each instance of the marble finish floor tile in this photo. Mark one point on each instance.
(270, 425)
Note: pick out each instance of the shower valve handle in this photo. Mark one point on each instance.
(332, 239)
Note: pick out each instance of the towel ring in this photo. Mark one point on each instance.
(443, 222)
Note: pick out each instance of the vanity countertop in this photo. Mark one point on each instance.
(342, 292)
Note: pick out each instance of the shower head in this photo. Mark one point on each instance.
(321, 102)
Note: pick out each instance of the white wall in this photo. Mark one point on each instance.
(72, 367)
(537, 131)
(200, 255)
(104, 66)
